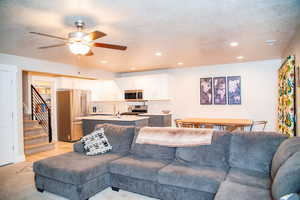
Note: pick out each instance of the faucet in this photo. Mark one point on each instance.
(116, 113)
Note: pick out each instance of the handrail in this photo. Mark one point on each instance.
(38, 113)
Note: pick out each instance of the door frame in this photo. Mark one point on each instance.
(17, 136)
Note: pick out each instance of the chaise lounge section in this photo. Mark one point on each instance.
(235, 166)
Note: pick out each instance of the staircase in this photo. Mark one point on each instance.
(35, 138)
(37, 125)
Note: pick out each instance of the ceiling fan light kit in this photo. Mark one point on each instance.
(79, 48)
(80, 42)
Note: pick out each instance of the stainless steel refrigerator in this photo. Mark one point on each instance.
(71, 104)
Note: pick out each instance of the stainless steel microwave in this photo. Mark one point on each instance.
(133, 95)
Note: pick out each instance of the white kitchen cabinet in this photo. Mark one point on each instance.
(108, 91)
(101, 90)
(126, 83)
(155, 86)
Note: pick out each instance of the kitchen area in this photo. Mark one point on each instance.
(78, 104)
(135, 113)
(78, 112)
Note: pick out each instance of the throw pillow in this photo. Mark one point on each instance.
(96, 143)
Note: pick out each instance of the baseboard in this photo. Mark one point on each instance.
(19, 158)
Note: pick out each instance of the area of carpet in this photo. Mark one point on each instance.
(17, 183)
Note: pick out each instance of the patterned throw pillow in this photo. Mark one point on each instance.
(96, 143)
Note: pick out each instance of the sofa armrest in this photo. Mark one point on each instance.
(292, 196)
(78, 147)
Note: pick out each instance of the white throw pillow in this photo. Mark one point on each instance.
(96, 143)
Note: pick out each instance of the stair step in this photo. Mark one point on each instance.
(26, 116)
(37, 148)
(36, 139)
(29, 131)
(31, 137)
(30, 123)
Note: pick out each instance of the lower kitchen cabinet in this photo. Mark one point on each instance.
(159, 120)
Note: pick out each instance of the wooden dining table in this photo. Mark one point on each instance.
(229, 124)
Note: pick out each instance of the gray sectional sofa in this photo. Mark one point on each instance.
(236, 166)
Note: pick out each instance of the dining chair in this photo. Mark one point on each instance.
(178, 123)
(187, 125)
(262, 123)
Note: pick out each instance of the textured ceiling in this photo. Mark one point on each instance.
(195, 32)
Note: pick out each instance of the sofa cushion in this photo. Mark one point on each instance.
(78, 147)
(73, 167)
(152, 151)
(235, 191)
(215, 155)
(249, 177)
(119, 137)
(135, 167)
(254, 151)
(206, 179)
(286, 149)
(287, 179)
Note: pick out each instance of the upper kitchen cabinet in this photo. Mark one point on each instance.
(156, 87)
(108, 90)
(101, 90)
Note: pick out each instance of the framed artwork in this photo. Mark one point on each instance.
(219, 90)
(234, 90)
(205, 91)
(298, 76)
(286, 99)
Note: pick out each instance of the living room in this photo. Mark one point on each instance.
(174, 53)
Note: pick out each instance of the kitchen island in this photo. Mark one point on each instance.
(89, 122)
(158, 119)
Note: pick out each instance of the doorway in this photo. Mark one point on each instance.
(7, 107)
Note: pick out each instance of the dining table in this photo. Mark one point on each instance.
(228, 124)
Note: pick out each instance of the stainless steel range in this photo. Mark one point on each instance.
(136, 109)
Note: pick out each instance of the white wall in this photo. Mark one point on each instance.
(259, 91)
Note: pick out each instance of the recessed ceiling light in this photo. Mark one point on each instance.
(234, 44)
(270, 42)
(180, 63)
(158, 53)
(240, 57)
(104, 61)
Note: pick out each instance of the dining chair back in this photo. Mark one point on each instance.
(177, 123)
(261, 123)
(187, 125)
(180, 124)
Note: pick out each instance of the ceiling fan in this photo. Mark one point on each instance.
(80, 42)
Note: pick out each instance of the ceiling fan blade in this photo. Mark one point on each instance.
(90, 53)
(94, 35)
(110, 46)
(50, 46)
(47, 35)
